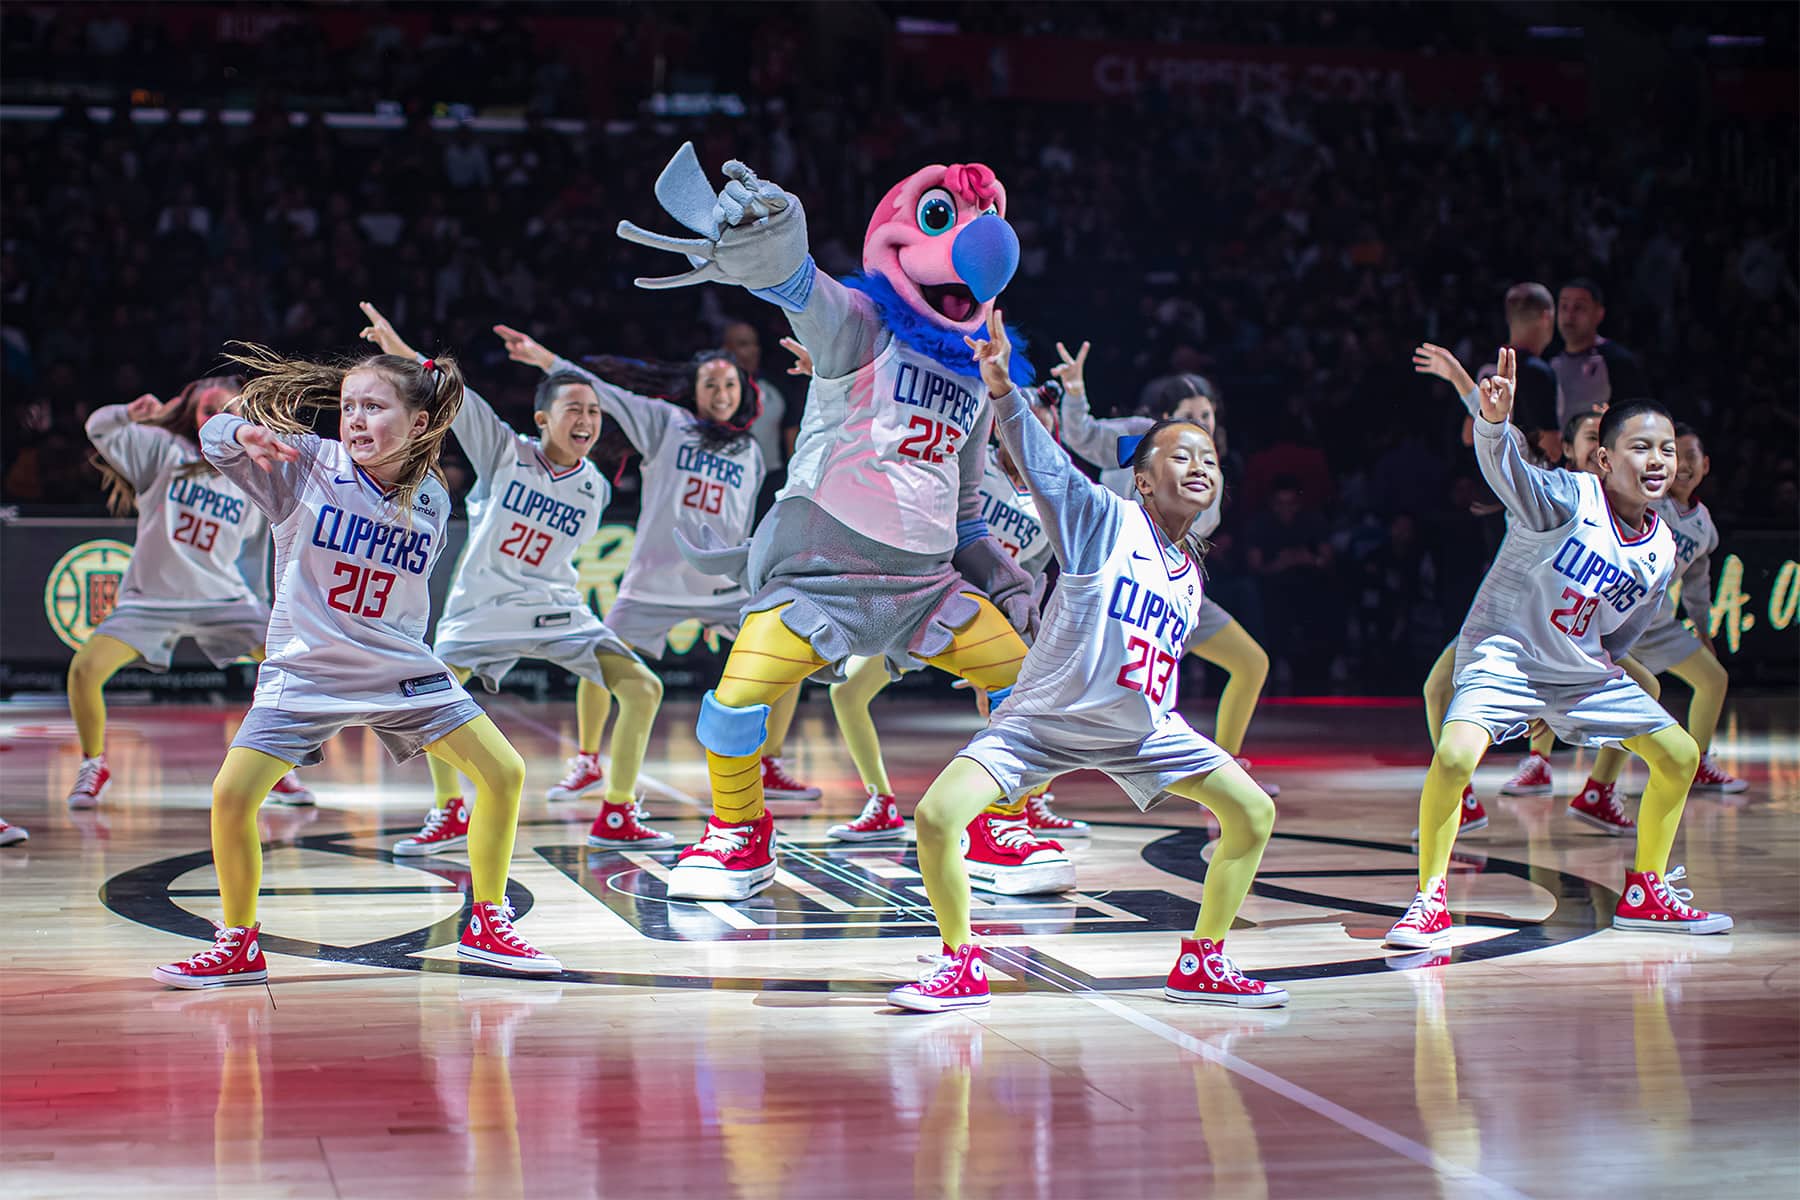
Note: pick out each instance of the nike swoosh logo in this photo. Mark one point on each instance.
(1588, 521)
(1144, 557)
(341, 479)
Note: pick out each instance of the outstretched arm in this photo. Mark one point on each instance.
(1094, 438)
(136, 450)
(479, 430)
(270, 467)
(645, 420)
(1537, 498)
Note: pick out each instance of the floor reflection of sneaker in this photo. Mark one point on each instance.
(283, 825)
(92, 781)
(954, 979)
(1272, 789)
(1598, 805)
(1426, 925)
(1650, 905)
(1533, 778)
(1203, 975)
(290, 791)
(779, 785)
(729, 862)
(585, 775)
(1711, 777)
(1418, 961)
(445, 828)
(12, 835)
(620, 827)
(1044, 819)
(234, 959)
(1002, 855)
(880, 821)
(1472, 817)
(490, 938)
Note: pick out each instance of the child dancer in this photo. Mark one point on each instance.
(1578, 579)
(1217, 636)
(184, 578)
(516, 596)
(702, 470)
(1098, 690)
(359, 523)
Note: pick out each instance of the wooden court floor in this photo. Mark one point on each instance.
(746, 1051)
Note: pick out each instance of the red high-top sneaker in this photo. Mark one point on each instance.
(11, 834)
(621, 827)
(585, 775)
(1472, 818)
(880, 822)
(779, 785)
(956, 979)
(1044, 819)
(1002, 855)
(729, 862)
(1203, 975)
(491, 939)
(92, 780)
(1533, 777)
(445, 828)
(235, 958)
(1598, 805)
(1426, 925)
(290, 791)
(1650, 905)
(1711, 777)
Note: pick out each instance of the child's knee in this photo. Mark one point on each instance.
(1256, 664)
(1457, 758)
(642, 690)
(934, 821)
(1680, 750)
(504, 775)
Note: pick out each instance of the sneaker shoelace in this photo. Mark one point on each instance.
(780, 778)
(1041, 809)
(723, 840)
(940, 969)
(1237, 978)
(1415, 912)
(434, 824)
(579, 766)
(1711, 771)
(1609, 804)
(225, 944)
(874, 810)
(87, 778)
(500, 928)
(1014, 834)
(1674, 898)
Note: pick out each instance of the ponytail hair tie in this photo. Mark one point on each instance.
(429, 364)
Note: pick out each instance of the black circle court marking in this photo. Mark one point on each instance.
(145, 895)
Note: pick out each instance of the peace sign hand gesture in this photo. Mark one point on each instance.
(1498, 390)
(1069, 370)
(994, 354)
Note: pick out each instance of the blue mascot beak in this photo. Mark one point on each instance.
(985, 255)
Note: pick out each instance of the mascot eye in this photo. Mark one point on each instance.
(936, 212)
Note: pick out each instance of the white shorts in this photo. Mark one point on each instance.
(1013, 750)
(1211, 618)
(646, 626)
(1581, 714)
(224, 632)
(489, 641)
(297, 737)
(1665, 646)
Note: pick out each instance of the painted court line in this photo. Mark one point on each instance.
(1336, 1113)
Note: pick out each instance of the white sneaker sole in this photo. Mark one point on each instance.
(83, 800)
(14, 836)
(660, 842)
(1535, 789)
(1606, 827)
(1273, 998)
(189, 983)
(1717, 923)
(1022, 881)
(510, 962)
(844, 833)
(1731, 788)
(1406, 939)
(1475, 826)
(715, 883)
(919, 1002)
(563, 793)
(1057, 835)
(783, 794)
(417, 850)
(294, 799)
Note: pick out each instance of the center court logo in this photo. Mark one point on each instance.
(83, 589)
(827, 893)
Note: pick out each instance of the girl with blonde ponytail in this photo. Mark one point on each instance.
(359, 523)
(186, 578)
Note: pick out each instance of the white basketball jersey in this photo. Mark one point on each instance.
(527, 518)
(352, 580)
(1696, 537)
(689, 487)
(1012, 518)
(191, 530)
(1552, 595)
(881, 449)
(1107, 660)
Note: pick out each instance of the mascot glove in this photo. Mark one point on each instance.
(751, 233)
(1014, 592)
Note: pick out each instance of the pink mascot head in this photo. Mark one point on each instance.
(940, 238)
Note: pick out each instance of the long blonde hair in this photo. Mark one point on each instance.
(178, 419)
(283, 390)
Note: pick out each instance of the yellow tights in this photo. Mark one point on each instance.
(1246, 816)
(1670, 754)
(477, 749)
(1701, 672)
(639, 693)
(769, 660)
(95, 663)
(1234, 651)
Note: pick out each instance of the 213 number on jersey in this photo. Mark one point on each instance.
(1574, 619)
(928, 440)
(704, 495)
(526, 544)
(197, 532)
(370, 588)
(1149, 671)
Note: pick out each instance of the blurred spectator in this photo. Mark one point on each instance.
(1593, 372)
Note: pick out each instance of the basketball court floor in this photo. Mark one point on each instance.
(712, 1050)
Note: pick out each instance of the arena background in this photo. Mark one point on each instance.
(1285, 198)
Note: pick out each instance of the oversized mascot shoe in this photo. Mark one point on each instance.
(730, 862)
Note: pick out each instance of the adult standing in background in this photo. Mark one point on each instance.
(1593, 372)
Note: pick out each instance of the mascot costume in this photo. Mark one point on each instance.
(876, 546)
